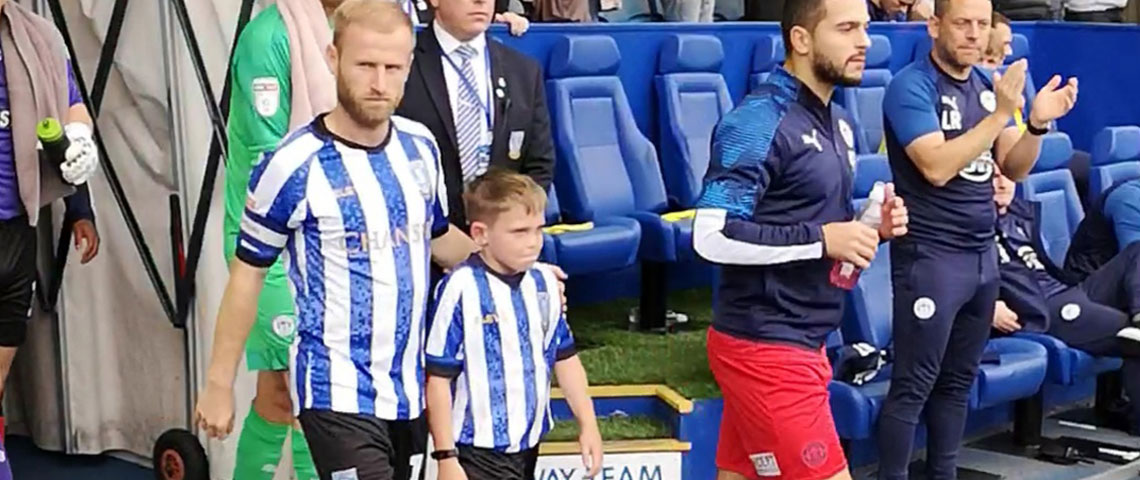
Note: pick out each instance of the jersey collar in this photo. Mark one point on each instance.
(322, 131)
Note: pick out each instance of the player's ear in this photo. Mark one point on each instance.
(479, 233)
(331, 56)
(932, 25)
(801, 40)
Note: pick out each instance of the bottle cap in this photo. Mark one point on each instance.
(49, 130)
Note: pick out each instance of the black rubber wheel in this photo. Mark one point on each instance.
(179, 456)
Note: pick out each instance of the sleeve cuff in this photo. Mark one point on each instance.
(252, 260)
(566, 352)
(440, 231)
(443, 369)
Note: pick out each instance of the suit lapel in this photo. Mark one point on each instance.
(431, 73)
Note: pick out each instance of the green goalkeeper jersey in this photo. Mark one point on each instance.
(259, 107)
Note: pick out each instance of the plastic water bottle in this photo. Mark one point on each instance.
(52, 140)
(845, 274)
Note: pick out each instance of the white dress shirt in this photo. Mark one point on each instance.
(479, 66)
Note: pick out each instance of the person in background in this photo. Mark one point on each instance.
(484, 102)
(1097, 313)
(1099, 11)
(1000, 44)
(519, 308)
(999, 47)
(422, 12)
(776, 216)
(948, 124)
(899, 10)
(1111, 225)
(688, 10)
(34, 62)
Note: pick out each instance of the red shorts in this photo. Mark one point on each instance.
(777, 419)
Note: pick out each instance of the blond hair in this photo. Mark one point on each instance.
(377, 15)
(497, 191)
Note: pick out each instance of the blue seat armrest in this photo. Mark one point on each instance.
(658, 242)
(1060, 369)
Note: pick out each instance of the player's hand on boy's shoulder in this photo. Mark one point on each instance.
(561, 276)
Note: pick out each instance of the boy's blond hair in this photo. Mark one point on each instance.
(497, 191)
(380, 16)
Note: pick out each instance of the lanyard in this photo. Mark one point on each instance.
(471, 87)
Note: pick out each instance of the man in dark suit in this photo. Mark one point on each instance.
(483, 101)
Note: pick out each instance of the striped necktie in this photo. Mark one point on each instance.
(469, 128)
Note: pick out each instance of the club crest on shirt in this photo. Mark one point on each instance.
(266, 95)
(988, 100)
(420, 173)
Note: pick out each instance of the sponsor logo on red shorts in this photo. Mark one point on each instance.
(814, 454)
(765, 464)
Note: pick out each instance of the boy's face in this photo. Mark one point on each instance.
(1000, 46)
(513, 240)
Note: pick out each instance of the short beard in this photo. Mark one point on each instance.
(830, 73)
(367, 118)
(947, 56)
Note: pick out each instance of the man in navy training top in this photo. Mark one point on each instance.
(353, 201)
(776, 213)
(1091, 313)
(946, 123)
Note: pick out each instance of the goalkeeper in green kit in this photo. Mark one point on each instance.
(280, 80)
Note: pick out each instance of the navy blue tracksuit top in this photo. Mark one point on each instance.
(781, 168)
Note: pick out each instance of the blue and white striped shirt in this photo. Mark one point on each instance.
(354, 224)
(499, 337)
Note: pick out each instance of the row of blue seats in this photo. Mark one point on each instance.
(609, 174)
(1025, 361)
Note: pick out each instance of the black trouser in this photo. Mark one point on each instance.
(1087, 316)
(485, 464)
(943, 309)
(1112, 15)
(17, 279)
(359, 447)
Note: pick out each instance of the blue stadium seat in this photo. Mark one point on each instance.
(606, 166)
(1115, 159)
(605, 245)
(767, 55)
(693, 97)
(865, 102)
(1051, 184)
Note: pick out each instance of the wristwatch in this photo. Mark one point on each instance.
(444, 454)
(1034, 130)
